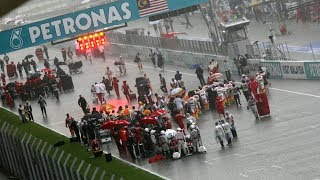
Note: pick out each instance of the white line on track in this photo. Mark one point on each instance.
(274, 166)
(52, 124)
(294, 92)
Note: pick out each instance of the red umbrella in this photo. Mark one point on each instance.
(108, 125)
(122, 123)
(149, 120)
(159, 112)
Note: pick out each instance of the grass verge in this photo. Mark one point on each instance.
(117, 167)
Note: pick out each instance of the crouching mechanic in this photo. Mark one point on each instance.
(182, 142)
(163, 141)
(195, 137)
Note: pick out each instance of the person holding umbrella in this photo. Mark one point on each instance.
(45, 50)
(6, 58)
(19, 67)
(43, 105)
(64, 54)
(34, 65)
(25, 67)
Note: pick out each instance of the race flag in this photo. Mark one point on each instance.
(150, 7)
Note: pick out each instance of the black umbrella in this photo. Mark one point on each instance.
(11, 85)
(61, 63)
(29, 56)
(34, 76)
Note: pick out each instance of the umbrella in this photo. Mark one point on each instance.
(149, 120)
(108, 125)
(106, 107)
(176, 92)
(122, 123)
(125, 112)
(215, 76)
(159, 112)
(61, 63)
(11, 85)
(8, 20)
(28, 56)
(34, 76)
(154, 22)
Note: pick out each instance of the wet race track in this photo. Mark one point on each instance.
(283, 146)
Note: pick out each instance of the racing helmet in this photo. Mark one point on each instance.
(192, 126)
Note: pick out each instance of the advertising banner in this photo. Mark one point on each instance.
(293, 70)
(274, 68)
(86, 21)
(312, 70)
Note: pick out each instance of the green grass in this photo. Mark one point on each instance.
(117, 167)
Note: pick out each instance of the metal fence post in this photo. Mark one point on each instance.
(86, 172)
(94, 173)
(79, 168)
(65, 166)
(71, 168)
(314, 58)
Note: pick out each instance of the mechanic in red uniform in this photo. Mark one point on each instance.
(126, 90)
(123, 134)
(116, 137)
(115, 84)
(167, 123)
(220, 107)
(178, 118)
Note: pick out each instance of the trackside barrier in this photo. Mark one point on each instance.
(277, 69)
(28, 157)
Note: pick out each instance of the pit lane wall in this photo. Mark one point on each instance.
(277, 69)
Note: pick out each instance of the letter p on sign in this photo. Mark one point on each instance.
(34, 33)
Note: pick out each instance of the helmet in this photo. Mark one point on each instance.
(178, 129)
(192, 126)
(120, 57)
(162, 132)
(188, 115)
(146, 129)
(170, 135)
(152, 131)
